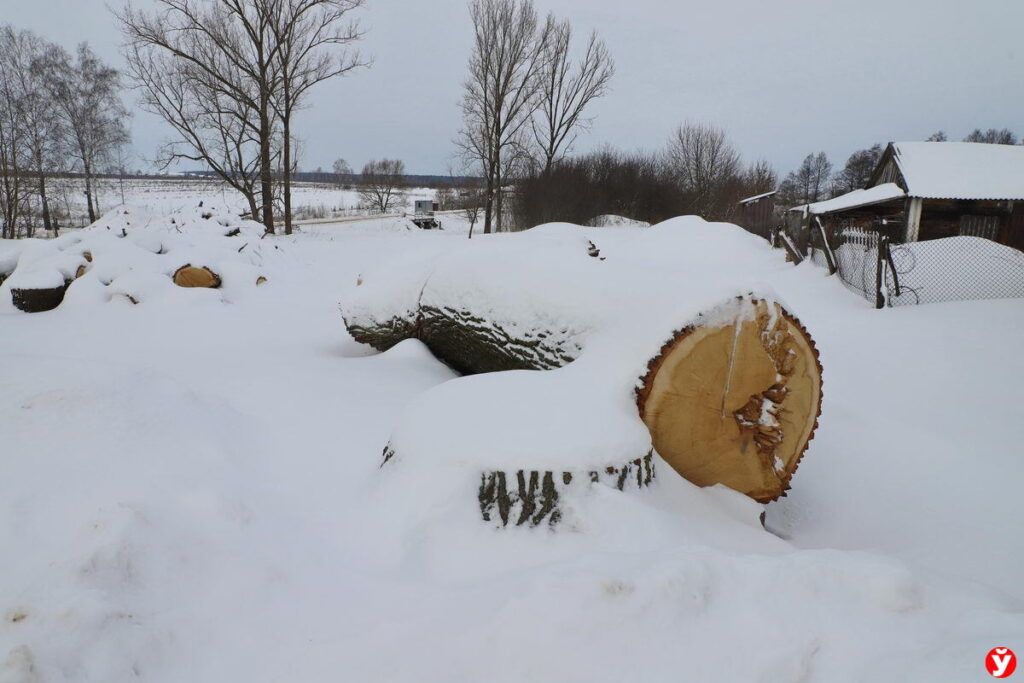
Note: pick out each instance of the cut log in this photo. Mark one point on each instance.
(732, 397)
(38, 300)
(737, 404)
(191, 276)
(731, 402)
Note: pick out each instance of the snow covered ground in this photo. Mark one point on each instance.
(309, 200)
(193, 492)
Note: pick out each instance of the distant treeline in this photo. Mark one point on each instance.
(356, 178)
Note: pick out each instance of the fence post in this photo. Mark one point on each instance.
(830, 257)
(880, 263)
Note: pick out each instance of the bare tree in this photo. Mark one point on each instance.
(223, 47)
(382, 184)
(937, 136)
(992, 136)
(501, 92)
(25, 56)
(809, 183)
(341, 170)
(214, 125)
(312, 45)
(86, 93)
(14, 157)
(705, 163)
(760, 178)
(565, 91)
(858, 169)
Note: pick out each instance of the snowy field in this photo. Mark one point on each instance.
(192, 491)
(309, 200)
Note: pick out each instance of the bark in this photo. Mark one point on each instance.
(88, 192)
(266, 177)
(287, 179)
(746, 387)
(531, 497)
(38, 300)
(47, 224)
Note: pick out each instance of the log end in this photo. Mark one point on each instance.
(191, 276)
(735, 402)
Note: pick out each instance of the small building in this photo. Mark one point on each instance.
(757, 214)
(929, 190)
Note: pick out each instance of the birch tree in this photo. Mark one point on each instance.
(86, 94)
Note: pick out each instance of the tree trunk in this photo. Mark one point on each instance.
(498, 202)
(489, 201)
(88, 192)
(286, 121)
(47, 225)
(266, 177)
(731, 398)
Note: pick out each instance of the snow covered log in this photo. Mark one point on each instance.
(190, 255)
(725, 379)
(38, 299)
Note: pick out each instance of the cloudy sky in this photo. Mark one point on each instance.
(784, 78)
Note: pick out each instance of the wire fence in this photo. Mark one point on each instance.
(869, 260)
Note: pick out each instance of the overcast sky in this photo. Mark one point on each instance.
(784, 78)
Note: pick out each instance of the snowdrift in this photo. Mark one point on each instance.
(957, 269)
(135, 256)
(661, 341)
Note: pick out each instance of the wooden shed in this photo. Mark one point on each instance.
(928, 190)
(757, 214)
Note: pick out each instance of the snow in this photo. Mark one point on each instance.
(192, 491)
(748, 200)
(851, 200)
(957, 269)
(610, 220)
(961, 170)
(621, 309)
(133, 253)
(165, 195)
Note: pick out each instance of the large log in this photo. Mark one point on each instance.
(732, 397)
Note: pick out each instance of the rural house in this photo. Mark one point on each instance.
(929, 190)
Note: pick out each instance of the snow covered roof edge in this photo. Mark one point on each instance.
(756, 197)
(851, 200)
(961, 170)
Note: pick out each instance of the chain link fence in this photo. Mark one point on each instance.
(871, 262)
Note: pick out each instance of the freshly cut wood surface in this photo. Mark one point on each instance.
(735, 404)
(191, 276)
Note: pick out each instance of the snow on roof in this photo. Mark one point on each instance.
(851, 200)
(961, 170)
(757, 196)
